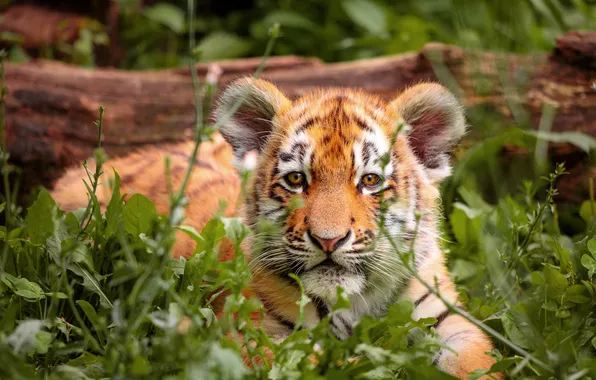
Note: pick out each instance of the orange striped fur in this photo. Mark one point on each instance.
(325, 149)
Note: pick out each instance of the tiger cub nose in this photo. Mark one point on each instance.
(329, 245)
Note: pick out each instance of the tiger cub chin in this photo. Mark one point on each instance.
(342, 153)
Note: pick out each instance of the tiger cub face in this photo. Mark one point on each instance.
(343, 154)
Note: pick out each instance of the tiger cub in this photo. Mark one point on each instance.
(339, 152)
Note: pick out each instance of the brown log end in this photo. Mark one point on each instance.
(577, 48)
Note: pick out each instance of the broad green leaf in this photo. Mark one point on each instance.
(140, 366)
(537, 278)
(41, 218)
(211, 235)
(65, 371)
(464, 269)
(556, 282)
(592, 246)
(236, 231)
(9, 318)
(499, 366)
(577, 294)
(191, 232)
(43, 340)
(30, 291)
(138, 213)
(366, 14)
(219, 363)
(167, 15)
(193, 274)
(91, 315)
(400, 313)
(222, 45)
(81, 255)
(590, 264)
(9, 280)
(517, 325)
(209, 316)
(585, 336)
(583, 141)
(288, 19)
(342, 302)
(562, 313)
(58, 295)
(85, 360)
(114, 209)
(91, 282)
(72, 222)
(587, 210)
(466, 224)
(550, 306)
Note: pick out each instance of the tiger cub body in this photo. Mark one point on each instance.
(340, 153)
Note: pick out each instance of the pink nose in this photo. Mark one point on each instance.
(329, 245)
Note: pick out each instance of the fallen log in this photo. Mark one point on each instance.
(51, 106)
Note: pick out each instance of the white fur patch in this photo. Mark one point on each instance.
(323, 281)
(373, 165)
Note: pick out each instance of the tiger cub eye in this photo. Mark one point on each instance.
(370, 180)
(295, 179)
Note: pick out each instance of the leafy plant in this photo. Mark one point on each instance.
(156, 35)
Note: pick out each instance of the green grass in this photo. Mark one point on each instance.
(91, 294)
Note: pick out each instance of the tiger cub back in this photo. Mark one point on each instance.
(213, 178)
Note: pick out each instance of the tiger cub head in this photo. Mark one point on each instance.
(353, 161)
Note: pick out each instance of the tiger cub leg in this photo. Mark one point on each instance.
(467, 343)
(467, 347)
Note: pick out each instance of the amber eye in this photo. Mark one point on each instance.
(295, 179)
(370, 180)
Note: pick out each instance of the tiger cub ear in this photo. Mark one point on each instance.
(437, 123)
(248, 127)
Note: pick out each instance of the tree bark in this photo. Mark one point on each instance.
(51, 107)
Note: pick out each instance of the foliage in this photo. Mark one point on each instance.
(156, 36)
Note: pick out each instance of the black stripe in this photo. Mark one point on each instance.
(359, 241)
(459, 333)
(419, 300)
(300, 149)
(334, 325)
(284, 321)
(347, 325)
(395, 219)
(276, 197)
(307, 124)
(368, 151)
(286, 157)
(363, 125)
(268, 307)
(298, 248)
(441, 318)
(383, 191)
(438, 357)
(271, 212)
(321, 306)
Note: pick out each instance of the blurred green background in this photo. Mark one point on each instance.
(154, 34)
